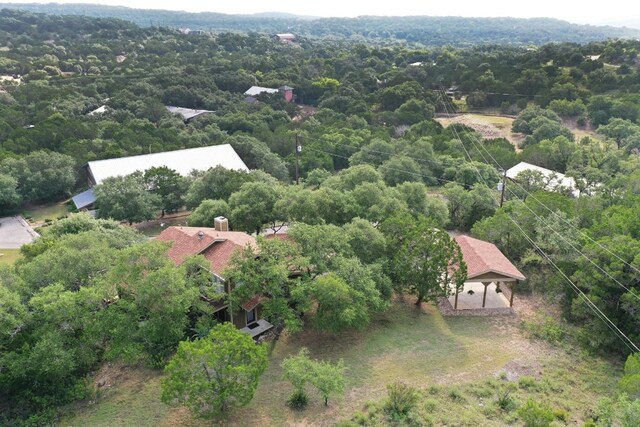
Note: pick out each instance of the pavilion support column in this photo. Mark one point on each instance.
(511, 297)
(484, 296)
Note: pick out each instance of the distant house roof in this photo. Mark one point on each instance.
(285, 87)
(187, 113)
(257, 90)
(84, 199)
(250, 100)
(416, 64)
(216, 246)
(484, 257)
(285, 36)
(100, 110)
(560, 179)
(182, 161)
(282, 233)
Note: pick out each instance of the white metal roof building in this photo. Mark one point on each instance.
(100, 110)
(182, 161)
(559, 179)
(257, 90)
(187, 113)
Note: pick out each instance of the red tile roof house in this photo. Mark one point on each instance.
(487, 267)
(218, 247)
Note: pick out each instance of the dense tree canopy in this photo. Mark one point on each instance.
(381, 182)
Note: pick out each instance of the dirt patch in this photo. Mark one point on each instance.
(530, 306)
(518, 368)
(111, 374)
(444, 305)
(304, 112)
(580, 131)
(489, 127)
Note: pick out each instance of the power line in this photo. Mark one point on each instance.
(493, 93)
(473, 137)
(382, 166)
(627, 341)
(585, 235)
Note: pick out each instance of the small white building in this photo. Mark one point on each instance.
(257, 90)
(187, 113)
(556, 180)
(98, 111)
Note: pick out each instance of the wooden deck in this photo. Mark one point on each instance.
(257, 328)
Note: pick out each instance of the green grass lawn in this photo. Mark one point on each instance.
(418, 347)
(42, 213)
(9, 256)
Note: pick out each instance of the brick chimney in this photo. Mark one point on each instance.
(221, 224)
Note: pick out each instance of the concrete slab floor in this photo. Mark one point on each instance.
(15, 232)
(466, 301)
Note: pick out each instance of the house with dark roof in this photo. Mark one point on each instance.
(490, 277)
(218, 245)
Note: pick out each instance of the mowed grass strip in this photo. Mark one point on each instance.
(9, 256)
(42, 213)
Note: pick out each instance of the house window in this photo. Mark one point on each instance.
(251, 316)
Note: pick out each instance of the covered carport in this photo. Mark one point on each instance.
(490, 277)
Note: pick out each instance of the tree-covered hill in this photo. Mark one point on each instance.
(379, 181)
(432, 31)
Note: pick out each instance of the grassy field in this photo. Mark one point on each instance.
(9, 256)
(37, 214)
(490, 126)
(418, 347)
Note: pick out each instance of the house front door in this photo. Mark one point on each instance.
(251, 316)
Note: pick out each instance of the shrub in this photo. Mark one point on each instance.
(430, 405)
(505, 402)
(561, 414)
(527, 383)
(298, 400)
(401, 398)
(456, 395)
(546, 328)
(434, 389)
(630, 382)
(534, 414)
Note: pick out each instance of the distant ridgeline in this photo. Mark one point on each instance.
(434, 31)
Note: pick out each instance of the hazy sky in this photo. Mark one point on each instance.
(609, 11)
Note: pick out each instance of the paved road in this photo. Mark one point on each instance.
(15, 232)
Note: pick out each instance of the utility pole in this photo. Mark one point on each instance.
(504, 186)
(298, 149)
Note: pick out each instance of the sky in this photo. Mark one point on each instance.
(615, 12)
